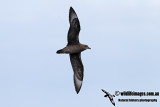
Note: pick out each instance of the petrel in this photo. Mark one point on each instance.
(74, 49)
(109, 96)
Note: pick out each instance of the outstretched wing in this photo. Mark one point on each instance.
(105, 91)
(112, 101)
(73, 33)
(72, 15)
(78, 70)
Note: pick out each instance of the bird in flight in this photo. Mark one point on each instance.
(74, 49)
(109, 96)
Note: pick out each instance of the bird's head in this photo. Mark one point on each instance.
(86, 47)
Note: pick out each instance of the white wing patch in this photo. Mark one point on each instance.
(73, 16)
(78, 83)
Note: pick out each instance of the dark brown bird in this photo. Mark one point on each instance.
(74, 49)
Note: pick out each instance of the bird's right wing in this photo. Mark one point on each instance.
(78, 70)
(112, 101)
(73, 33)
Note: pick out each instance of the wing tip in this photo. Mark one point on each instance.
(78, 84)
(71, 10)
(72, 14)
(77, 91)
(103, 90)
(113, 103)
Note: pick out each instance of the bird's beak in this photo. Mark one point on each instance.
(89, 48)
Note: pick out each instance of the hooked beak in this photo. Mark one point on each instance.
(89, 48)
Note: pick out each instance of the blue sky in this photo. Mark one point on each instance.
(124, 36)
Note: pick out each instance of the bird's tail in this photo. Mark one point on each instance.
(60, 51)
(77, 83)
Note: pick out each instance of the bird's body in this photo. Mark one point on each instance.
(74, 49)
(70, 49)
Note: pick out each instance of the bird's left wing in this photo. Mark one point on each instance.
(78, 70)
(72, 15)
(73, 33)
